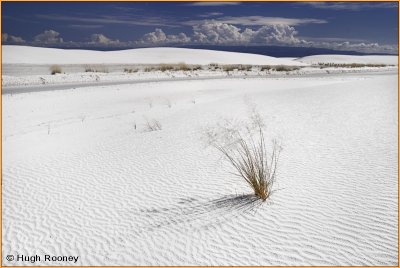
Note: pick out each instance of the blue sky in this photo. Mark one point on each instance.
(359, 26)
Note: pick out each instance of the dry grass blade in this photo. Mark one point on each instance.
(153, 125)
(253, 163)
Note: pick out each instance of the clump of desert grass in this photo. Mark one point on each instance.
(284, 68)
(228, 68)
(197, 67)
(243, 145)
(131, 70)
(252, 162)
(152, 125)
(166, 67)
(265, 67)
(214, 66)
(149, 69)
(238, 67)
(177, 67)
(55, 69)
(183, 67)
(95, 69)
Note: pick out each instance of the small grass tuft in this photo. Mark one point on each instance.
(153, 125)
(253, 164)
(55, 69)
(131, 70)
(284, 68)
(183, 67)
(95, 68)
(229, 68)
(265, 68)
(166, 67)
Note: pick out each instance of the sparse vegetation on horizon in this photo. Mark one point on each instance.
(350, 65)
(284, 68)
(172, 67)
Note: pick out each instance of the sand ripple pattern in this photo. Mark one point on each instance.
(115, 195)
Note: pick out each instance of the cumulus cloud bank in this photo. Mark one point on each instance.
(5, 37)
(159, 37)
(361, 47)
(216, 32)
(48, 37)
(102, 40)
(221, 33)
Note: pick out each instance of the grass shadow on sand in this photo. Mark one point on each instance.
(196, 214)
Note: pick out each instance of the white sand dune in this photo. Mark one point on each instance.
(348, 59)
(81, 176)
(37, 55)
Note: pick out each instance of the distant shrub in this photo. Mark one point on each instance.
(131, 70)
(197, 67)
(265, 68)
(284, 68)
(171, 67)
(229, 68)
(239, 67)
(214, 66)
(149, 69)
(166, 67)
(242, 67)
(55, 69)
(183, 67)
(95, 69)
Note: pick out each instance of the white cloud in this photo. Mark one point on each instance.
(360, 47)
(102, 39)
(275, 35)
(180, 38)
(260, 21)
(48, 37)
(217, 33)
(159, 37)
(220, 33)
(332, 39)
(6, 38)
(204, 4)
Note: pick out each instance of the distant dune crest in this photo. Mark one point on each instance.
(39, 55)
